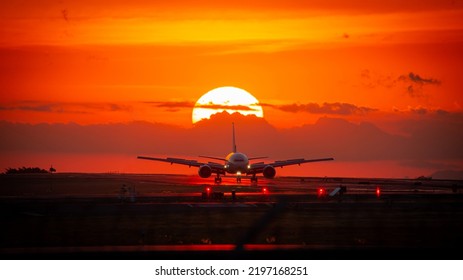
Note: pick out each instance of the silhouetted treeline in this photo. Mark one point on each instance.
(23, 170)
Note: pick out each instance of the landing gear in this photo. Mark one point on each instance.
(254, 178)
(218, 179)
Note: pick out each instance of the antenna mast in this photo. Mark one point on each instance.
(234, 144)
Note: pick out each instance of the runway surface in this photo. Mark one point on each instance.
(175, 216)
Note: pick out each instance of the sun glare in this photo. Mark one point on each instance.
(230, 99)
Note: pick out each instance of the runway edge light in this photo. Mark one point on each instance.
(321, 192)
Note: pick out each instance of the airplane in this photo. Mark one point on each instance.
(235, 163)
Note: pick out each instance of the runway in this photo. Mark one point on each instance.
(175, 216)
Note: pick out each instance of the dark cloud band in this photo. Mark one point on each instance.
(336, 108)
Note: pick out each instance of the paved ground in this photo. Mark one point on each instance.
(170, 216)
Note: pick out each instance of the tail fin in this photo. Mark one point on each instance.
(234, 145)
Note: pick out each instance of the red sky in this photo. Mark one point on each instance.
(393, 64)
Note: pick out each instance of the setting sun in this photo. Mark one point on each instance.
(229, 99)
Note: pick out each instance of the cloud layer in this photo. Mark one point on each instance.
(67, 107)
(413, 83)
(336, 108)
(428, 140)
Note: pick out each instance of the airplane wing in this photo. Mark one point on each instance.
(259, 167)
(216, 158)
(216, 167)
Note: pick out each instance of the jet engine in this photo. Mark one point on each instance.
(269, 172)
(204, 171)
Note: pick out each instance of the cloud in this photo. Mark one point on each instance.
(73, 108)
(417, 79)
(65, 15)
(415, 83)
(411, 82)
(419, 110)
(223, 119)
(171, 106)
(226, 107)
(429, 111)
(37, 108)
(429, 141)
(336, 108)
(174, 105)
(371, 79)
(117, 107)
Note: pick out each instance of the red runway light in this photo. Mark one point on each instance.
(378, 192)
(321, 192)
(208, 189)
(264, 190)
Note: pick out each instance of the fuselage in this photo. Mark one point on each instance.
(236, 163)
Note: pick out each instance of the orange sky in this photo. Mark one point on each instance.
(123, 61)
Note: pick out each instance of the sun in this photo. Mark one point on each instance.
(230, 99)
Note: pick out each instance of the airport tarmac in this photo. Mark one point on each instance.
(176, 216)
